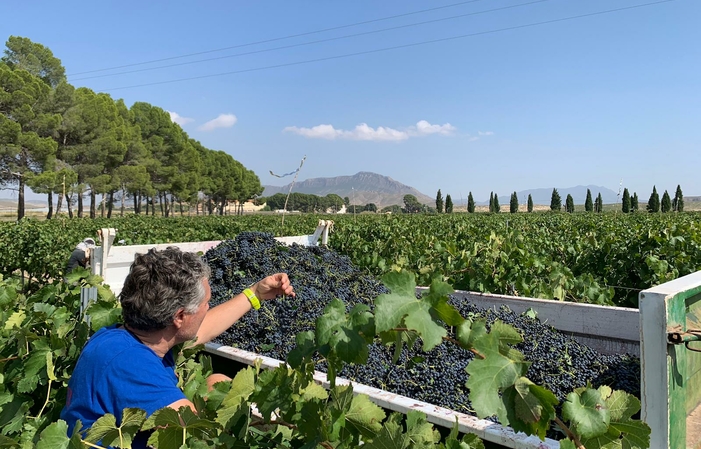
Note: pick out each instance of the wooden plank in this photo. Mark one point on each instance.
(487, 430)
(618, 324)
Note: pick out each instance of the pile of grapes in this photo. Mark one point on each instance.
(319, 275)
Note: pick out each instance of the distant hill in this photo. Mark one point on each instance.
(362, 188)
(579, 195)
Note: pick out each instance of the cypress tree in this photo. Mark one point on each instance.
(626, 201)
(634, 202)
(569, 204)
(599, 204)
(666, 204)
(588, 205)
(513, 205)
(439, 202)
(497, 207)
(470, 204)
(448, 204)
(491, 201)
(678, 202)
(555, 201)
(530, 203)
(653, 204)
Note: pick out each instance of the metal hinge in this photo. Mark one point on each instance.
(677, 336)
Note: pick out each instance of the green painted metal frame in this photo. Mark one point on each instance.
(671, 373)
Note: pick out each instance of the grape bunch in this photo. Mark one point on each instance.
(319, 275)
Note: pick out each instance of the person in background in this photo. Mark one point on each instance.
(165, 302)
(80, 257)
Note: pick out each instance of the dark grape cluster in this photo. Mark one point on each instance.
(319, 275)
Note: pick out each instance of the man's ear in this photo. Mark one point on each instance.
(179, 317)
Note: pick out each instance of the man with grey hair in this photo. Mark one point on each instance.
(165, 302)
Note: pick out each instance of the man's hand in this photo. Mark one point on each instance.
(273, 286)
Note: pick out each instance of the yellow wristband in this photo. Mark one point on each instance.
(252, 298)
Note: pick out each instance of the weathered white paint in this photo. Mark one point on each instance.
(484, 429)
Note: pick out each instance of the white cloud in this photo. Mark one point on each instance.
(485, 133)
(223, 121)
(365, 132)
(180, 120)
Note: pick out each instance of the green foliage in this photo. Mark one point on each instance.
(634, 202)
(666, 204)
(569, 204)
(23, 54)
(678, 202)
(653, 204)
(412, 204)
(530, 203)
(588, 205)
(555, 201)
(439, 202)
(470, 203)
(513, 204)
(626, 205)
(448, 204)
(496, 207)
(599, 204)
(491, 201)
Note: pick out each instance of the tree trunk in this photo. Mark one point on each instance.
(50, 213)
(180, 204)
(110, 204)
(93, 200)
(160, 203)
(137, 203)
(80, 204)
(121, 211)
(20, 198)
(59, 202)
(68, 206)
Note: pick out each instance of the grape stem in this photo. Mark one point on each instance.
(569, 433)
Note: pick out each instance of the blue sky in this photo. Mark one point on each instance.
(594, 100)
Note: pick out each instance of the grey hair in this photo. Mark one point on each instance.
(159, 284)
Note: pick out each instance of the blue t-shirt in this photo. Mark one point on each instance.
(116, 371)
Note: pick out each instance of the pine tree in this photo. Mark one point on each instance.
(588, 205)
(653, 204)
(626, 201)
(555, 201)
(569, 204)
(470, 203)
(599, 204)
(448, 204)
(678, 202)
(439, 202)
(530, 203)
(513, 205)
(491, 201)
(634, 202)
(497, 207)
(666, 204)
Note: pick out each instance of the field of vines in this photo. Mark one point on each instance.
(595, 258)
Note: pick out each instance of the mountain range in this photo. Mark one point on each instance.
(367, 187)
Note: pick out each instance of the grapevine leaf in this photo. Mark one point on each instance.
(507, 335)
(390, 437)
(401, 304)
(328, 324)
(314, 391)
(622, 405)
(634, 434)
(587, 412)
(468, 332)
(15, 320)
(530, 408)
(305, 346)
(491, 375)
(273, 390)
(241, 388)
(337, 330)
(50, 367)
(437, 296)
(12, 414)
(311, 427)
(55, 436)
(8, 295)
(609, 440)
(365, 416)
(9, 442)
(420, 431)
(567, 444)
(44, 308)
(103, 313)
(171, 427)
(106, 430)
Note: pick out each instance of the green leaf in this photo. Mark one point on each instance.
(634, 434)
(530, 408)
(401, 305)
(567, 444)
(365, 416)
(15, 320)
(587, 413)
(420, 431)
(489, 376)
(7, 442)
(390, 437)
(103, 313)
(173, 427)
(622, 405)
(54, 437)
(242, 386)
(106, 430)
